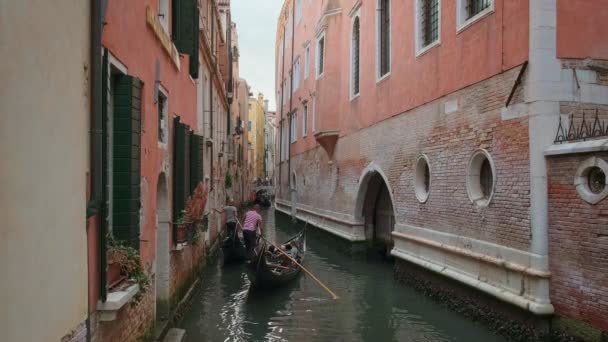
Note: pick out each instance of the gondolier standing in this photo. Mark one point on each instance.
(230, 213)
(253, 222)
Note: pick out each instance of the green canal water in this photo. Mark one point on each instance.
(372, 305)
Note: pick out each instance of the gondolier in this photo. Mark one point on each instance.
(253, 222)
(230, 213)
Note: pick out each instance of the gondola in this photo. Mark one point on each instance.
(263, 199)
(271, 269)
(233, 249)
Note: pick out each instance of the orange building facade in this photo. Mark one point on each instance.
(430, 128)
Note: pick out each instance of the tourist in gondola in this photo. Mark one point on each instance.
(253, 222)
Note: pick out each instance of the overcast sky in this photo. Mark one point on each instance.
(256, 22)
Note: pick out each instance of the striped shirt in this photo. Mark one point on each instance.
(251, 220)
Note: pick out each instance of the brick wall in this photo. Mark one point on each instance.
(449, 141)
(133, 322)
(578, 242)
(184, 267)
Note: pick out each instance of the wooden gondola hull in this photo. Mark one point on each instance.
(234, 251)
(264, 274)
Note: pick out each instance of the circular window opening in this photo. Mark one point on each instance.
(596, 179)
(481, 179)
(590, 180)
(422, 181)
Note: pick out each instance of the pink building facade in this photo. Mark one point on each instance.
(433, 129)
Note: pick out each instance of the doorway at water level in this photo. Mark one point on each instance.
(379, 215)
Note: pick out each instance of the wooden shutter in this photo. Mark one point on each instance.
(186, 31)
(196, 161)
(103, 214)
(126, 170)
(179, 190)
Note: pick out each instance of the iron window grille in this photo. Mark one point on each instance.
(430, 21)
(356, 45)
(384, 21)
(486, 179)
(474, 7)
(161, 118)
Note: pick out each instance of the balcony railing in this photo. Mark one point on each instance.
(581, 129)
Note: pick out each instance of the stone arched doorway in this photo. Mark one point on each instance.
(374, 208)
(163, 250)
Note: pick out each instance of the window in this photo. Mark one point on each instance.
(354, 78)
(314, 115)
(294, 127)
(162, 118)
(470, 11)
(427, 24)
(320, 55)
(306, 61)
(298, 11)
(481, 179)
(384, 37)
(590, 180)
(163, 14)
(475, 7)
(296, 75)
(249, 125)
(305, 120)
(422, 179)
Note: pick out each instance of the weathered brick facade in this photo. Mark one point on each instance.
(578, 245)
(134, 322)
(448, 140)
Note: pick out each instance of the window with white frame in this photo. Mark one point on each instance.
(320, 55)
(469, 11)
(383, 19)
(314, 115)
(163, 14)
(305, 120)
(306, 61)
(296, 75)
(298, 11)
(294, 127)
(354, 66)
(428, 24)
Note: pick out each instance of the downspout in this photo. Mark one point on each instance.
(94, 205)
(212, 74)
(293, 37)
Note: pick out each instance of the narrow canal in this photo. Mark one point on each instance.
(372, 306)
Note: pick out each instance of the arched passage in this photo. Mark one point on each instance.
(163, 249)
(374, 207)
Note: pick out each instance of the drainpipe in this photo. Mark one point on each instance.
(293, 37)
(94, 206)
(212, 74)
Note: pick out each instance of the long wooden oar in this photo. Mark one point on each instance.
(333, 295)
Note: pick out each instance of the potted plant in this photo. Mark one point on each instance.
(124, 263)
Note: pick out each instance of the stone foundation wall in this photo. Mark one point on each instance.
(578, 241)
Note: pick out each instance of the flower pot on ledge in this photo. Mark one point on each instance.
(183, 232)
(115, 275)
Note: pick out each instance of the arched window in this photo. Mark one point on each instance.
(355, 57)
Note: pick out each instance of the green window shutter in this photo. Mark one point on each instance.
(196, 161)
(186, 31)
(103, 229)
(126, 170)
(179, 183)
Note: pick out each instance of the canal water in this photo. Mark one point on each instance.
(372, 305)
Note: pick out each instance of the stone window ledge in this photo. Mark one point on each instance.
(116, 301)
(577, 147)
